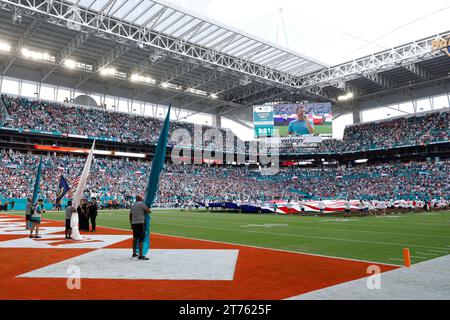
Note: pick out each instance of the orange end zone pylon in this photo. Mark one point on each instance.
(407, 257)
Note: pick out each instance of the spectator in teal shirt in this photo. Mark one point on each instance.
(35, 218)
(302, 125)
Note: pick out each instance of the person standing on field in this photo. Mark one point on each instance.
(321, 206)
(347, 207)
(69, 211)
(93, 211)
(137, 221)
(35, 218)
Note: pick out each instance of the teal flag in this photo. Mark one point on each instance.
(36, 183)
(153, 182)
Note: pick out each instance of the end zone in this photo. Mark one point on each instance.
(179, 269)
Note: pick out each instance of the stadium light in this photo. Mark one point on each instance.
(361, 160)
(70, 64)
(139, 78)
(37, 55)
(5, 47)
(346, 97)
(196, 91)
(171, 86)
(107, 71)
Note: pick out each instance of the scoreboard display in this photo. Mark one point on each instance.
(263, 121)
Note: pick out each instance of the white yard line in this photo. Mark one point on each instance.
(303, 236)
(397, 259)
(429, 254)
(315, 228)
(419, 257)
(440, 251)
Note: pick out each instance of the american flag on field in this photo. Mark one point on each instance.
(75, 183)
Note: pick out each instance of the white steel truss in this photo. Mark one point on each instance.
(31, 28)
(65, 13)
(168, 28)
(404, 55)
(73, 45)
(112, 55)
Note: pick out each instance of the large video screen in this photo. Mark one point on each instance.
(303, 119)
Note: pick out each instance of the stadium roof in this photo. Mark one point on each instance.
(156, 52)
(179, 23)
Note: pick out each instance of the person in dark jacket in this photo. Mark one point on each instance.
(83, 215)
(93, 211)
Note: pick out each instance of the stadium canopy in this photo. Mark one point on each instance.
(156, 52)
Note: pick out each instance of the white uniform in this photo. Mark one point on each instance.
(301, 205)
(391, 203)
(321, 205)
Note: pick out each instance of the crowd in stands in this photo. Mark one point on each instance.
(315, 108)
(407, 131)
(120, 180)
(100, 123)
(66, 119)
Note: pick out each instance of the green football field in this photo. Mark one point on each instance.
(378, 239)
(322, 129)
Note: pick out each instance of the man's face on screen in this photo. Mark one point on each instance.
(301, 113)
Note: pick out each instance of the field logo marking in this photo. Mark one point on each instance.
(10, 226)
(57, 242)
(74, 279)
(374, 281)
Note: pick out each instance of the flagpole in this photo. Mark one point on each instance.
(36, 187)
(83, 178)
(37, 181)
(79, 194)
(153, 182)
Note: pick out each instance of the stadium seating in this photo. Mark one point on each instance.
(433, 127)
(41, 116)
(120, 179)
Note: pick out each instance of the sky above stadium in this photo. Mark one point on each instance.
(330, 31)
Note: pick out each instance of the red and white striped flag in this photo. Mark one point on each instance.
(75, 183)
(82, 179)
